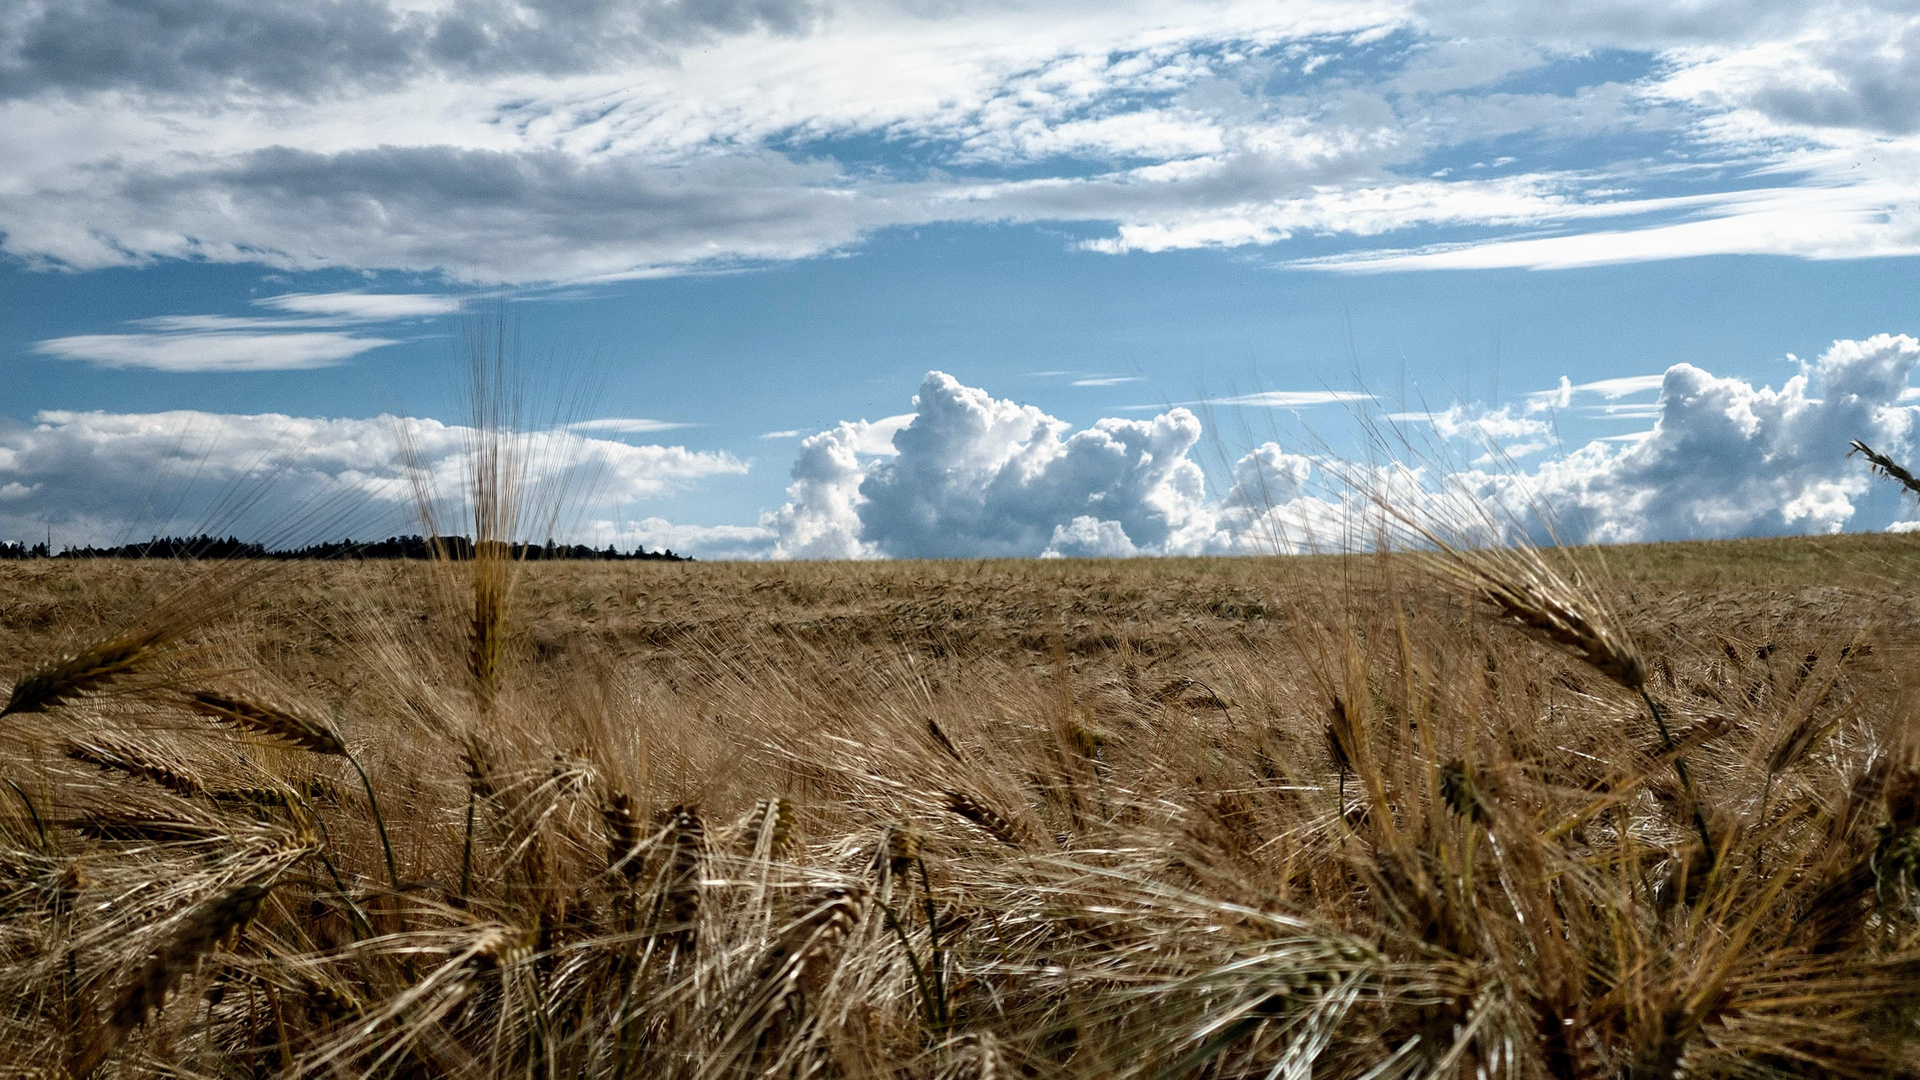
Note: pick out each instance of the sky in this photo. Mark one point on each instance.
(945, 278)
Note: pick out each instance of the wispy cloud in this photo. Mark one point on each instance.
(295, 341)
(1479, 423)
(1646, 411)
(1832, 220)
(1621, 387)
(1109, 380)
(594, 142)
(1274, 399)
(218, 351)
(790, 433)
(628, 425)
(363, 306)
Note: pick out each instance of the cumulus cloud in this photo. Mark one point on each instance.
(970, 475)
(977, 476)
(973, 475)
(98, 477)
(821, 519)
(1727, 458)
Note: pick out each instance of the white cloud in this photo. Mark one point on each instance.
(212, 351)
(1621, 387)
(821, 519)
(1278, 399)
(1559, 397)
(973, 475)
(1859, 71)
(1476, 423)
(1838, 221)
(978, 476)
(966, 474)
(364, 307)
(1730, 459)
(627, 425)
(791, 433)
(279, 342)
(877, 437)
(1651, 410)
(1108, 380)
(701, 541)
(98, 477)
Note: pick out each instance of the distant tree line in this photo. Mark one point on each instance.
(393, 547)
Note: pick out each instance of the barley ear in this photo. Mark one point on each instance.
(265, 718)
(114, 755)
(1886, 466)
(202, 932)
(85, 671)
(678, 906)
(986, 817)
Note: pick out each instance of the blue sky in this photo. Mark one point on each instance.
(1651, 263)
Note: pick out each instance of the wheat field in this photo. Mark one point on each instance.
(1646, 812)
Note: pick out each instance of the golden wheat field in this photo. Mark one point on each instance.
(1645, 812)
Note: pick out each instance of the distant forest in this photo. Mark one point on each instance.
(393, 547)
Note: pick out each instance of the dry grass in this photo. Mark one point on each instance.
(1340, 817)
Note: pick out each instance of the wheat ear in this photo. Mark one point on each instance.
(806, 945)
(1527, 594)
(768, 827)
